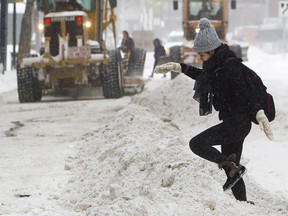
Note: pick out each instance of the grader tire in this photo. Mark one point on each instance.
(112, 77)
(29, 88)
(137, 62)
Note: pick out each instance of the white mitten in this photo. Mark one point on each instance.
(168, 67)
(264, 124)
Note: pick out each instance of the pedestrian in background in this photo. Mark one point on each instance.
(159, 53)
(127, 44)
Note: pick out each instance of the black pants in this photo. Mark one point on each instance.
(230, 134)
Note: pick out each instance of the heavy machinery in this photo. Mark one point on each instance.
(74, 53)
(193, 10)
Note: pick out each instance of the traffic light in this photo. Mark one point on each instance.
(233, 4)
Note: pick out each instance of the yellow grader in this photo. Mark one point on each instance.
(74, 54)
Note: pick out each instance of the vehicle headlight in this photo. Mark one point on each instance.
(40, 26)
(88, 24)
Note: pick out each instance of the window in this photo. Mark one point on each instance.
(211, 9)
(88, 5)
(62, 5)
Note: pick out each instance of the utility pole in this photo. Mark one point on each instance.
(3, 32)
(143, 19)
(14, 36)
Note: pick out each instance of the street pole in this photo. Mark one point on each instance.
(283, 13)
(143, 22)
(14, 36)
(3, 32)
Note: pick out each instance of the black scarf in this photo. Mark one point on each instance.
(204, 83)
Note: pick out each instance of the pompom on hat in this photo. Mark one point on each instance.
(207, 39)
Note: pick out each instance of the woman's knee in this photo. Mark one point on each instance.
(193, 144)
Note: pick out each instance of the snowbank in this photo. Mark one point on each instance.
(8, 81)
(139, 163)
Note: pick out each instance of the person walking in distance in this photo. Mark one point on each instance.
(127, 44)
(159, 52)
(221, 84)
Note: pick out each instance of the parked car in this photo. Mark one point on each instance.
(175, 38)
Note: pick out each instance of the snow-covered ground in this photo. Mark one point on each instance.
(130, 156)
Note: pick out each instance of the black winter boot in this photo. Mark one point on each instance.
(236, 171)
(235, 175)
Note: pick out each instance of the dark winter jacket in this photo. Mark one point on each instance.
(127, 45)
(223, 84)
(159, 50)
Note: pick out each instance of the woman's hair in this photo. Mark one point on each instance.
(232, 54)
(126, 32)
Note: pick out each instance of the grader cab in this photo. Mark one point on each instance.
(74, 53)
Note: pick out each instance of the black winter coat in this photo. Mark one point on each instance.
(127, 45)
(225, 82)
(159, 50)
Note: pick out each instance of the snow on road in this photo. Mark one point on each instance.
(130, 156)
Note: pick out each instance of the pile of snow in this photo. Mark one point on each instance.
(8, 81)
(139, 163)
(173, 100)
(268, 66)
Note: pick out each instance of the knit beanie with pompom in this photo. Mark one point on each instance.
(207, 39)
